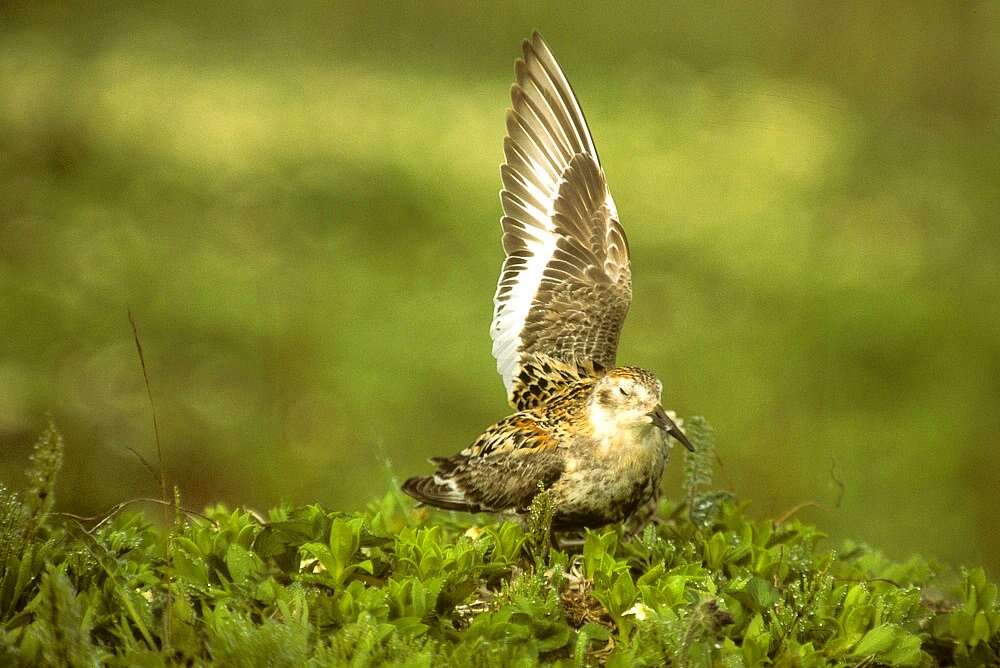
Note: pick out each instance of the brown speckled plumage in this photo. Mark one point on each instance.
(593, 434)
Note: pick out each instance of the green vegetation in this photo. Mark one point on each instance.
(395, 585)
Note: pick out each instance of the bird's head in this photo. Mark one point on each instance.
(629, 398)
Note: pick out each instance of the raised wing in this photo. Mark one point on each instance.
(565, 286)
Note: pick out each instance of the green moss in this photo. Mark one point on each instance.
(396, 585)
(46, 460)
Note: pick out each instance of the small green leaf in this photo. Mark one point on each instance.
(762, 592)
(756, 593)
(241, 563)
(876, 641)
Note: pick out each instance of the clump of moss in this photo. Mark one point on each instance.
(399, 586)
(46, 460)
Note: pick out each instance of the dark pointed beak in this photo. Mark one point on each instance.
(663, 421)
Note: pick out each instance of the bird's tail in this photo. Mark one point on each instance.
(439, 491)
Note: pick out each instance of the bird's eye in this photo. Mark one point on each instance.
(623, 391)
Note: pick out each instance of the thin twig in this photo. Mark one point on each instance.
(168, 610)
(865, 580)
(784, 517)
(152, 409)
(143, 461)
(118, 507)
(727, 479)
(256, 514)
(841, 487)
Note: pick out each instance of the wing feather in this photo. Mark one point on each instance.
(565, 285)
(499, 472)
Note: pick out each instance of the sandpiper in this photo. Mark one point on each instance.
(593, 434)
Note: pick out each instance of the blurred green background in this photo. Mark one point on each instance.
(300, 207)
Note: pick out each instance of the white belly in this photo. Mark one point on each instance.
(608, 479)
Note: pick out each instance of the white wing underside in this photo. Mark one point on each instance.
(565, 285)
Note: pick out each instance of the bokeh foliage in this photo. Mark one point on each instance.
(299, 205)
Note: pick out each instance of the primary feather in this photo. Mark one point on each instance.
(565, 285)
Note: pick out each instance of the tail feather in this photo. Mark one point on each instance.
(439, 492)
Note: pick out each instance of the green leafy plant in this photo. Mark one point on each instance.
(396, 585)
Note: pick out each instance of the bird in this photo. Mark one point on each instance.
(590, 434)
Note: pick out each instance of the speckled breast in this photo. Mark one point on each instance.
(606, 482)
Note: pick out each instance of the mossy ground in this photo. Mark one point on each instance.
(704, 584)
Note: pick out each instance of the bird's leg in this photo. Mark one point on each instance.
(644, 514)
(571, 539)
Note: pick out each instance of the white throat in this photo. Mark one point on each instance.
(603, 421)
(608, 424)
